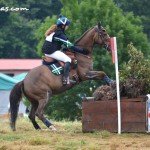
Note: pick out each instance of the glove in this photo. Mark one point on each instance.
(85, 51)
(65, 49)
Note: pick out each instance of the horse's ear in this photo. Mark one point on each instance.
(99, 25)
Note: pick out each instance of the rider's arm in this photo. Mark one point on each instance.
(63, 39)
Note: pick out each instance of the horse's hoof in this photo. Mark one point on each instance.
(52, 128)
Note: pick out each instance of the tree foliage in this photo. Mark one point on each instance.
(136, 68)
(139, 8)
(18, 28)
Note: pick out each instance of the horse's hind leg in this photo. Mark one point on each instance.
(40, 112)
(32, 115)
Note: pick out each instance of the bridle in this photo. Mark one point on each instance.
(103, 37)
(100, 35)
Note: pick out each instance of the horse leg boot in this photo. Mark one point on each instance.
(107, 80)
(66, 73)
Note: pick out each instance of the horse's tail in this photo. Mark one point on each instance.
(15, 98)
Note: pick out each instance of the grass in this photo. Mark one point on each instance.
(68, 137)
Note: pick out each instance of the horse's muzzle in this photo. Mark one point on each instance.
(107, 47)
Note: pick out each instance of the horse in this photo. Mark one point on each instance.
(41, 84)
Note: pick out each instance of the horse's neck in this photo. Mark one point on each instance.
(85, 61)
(87, 40)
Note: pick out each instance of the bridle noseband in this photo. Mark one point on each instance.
(100, 34)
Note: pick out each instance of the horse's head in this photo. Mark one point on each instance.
(101, 37)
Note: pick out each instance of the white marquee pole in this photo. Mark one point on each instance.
(115, 60)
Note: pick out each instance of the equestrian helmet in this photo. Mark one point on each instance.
(63, 21)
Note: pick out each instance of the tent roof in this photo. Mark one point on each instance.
(20, 77)
(7, 82)
(19, 64)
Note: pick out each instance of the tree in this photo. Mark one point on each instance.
(136, 68)
(39, 9)
(17, 37)
(139, 8)
(18, 29)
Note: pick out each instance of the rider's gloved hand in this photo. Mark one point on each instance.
(85, 51)
(80, 50)
(65, 49)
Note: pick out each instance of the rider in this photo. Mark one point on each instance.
(55, 38)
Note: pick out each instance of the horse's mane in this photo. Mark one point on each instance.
(83, 35)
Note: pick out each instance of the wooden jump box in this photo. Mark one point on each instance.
(103, 115)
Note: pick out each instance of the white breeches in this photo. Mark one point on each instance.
(58, 55)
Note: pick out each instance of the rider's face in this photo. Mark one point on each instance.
(66, 27)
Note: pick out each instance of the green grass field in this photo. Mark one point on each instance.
(68, 137)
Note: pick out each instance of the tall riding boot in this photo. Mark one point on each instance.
(66, 73)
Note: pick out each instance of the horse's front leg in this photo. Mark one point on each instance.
(98, 75)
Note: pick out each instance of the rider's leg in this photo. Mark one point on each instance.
(58, 55)
(66, 72)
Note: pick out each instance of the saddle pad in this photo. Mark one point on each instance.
(54, 67)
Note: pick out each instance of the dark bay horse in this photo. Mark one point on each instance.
(40, 83)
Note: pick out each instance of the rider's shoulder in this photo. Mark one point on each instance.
(59, 32)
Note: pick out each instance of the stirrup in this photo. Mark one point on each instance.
(66, 81)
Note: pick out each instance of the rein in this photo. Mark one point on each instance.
(84, 46)
(99, 35)
(83, 55)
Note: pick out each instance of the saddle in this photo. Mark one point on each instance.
(56, 66)
(69, 54)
